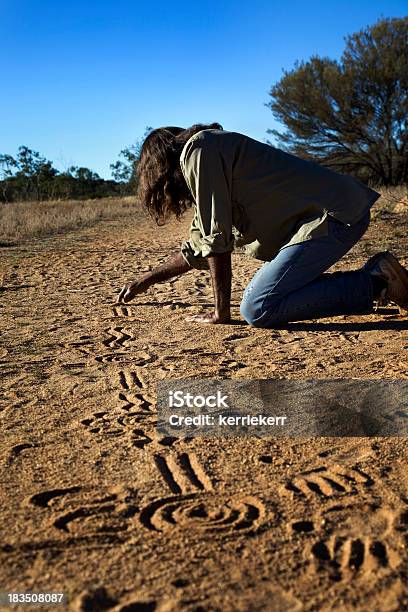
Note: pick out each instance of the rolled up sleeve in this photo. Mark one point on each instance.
(209, 180)
(191, 248)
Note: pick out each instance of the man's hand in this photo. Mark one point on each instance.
(175, 266)
(211, 317)
(131, 290)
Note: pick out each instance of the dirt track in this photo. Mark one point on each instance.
(95, 504)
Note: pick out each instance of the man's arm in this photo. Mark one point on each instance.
(174, 266)
(220, 269)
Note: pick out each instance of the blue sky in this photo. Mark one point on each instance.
(82, 80)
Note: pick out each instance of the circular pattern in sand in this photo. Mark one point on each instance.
(203, 513)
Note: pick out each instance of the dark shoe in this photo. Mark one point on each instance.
(387, 266)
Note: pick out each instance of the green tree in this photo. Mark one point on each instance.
(29, 176)
(7, 168)
(352, 114)
(83, 174)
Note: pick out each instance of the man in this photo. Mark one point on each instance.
(297, 216)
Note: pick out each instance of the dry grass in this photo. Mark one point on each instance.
(393, 200)
(26, 220)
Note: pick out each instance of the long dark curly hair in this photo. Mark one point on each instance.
(162, 189)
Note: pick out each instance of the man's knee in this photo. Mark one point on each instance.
(257, 315)
(253, 313)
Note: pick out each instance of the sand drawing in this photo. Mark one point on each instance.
(134, 392)
(361, 540)
(118, 338)
(329, 482)
(183, 473)
(195, 505)
(17, 449)
(213, 514)
(360, 555)
(77, 516)
(121, 311)
(140, 358)
(104, 425)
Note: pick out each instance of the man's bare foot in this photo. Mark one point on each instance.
(211, 317)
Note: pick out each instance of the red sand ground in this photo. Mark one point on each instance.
(94, 503)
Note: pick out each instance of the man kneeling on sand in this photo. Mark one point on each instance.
(298, 217)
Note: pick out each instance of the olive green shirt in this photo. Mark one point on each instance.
(249, 193)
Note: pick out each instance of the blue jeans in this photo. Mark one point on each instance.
(293, 286)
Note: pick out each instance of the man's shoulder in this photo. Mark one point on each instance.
(201, 139)
(211, 140)
(216, 136)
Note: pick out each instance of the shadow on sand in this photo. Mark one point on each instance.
(342, 327)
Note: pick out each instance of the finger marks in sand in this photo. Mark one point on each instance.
(359, 555)
(117, 337)
(328, 482)
(183, 473)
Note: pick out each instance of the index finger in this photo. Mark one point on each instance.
(122, 294)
